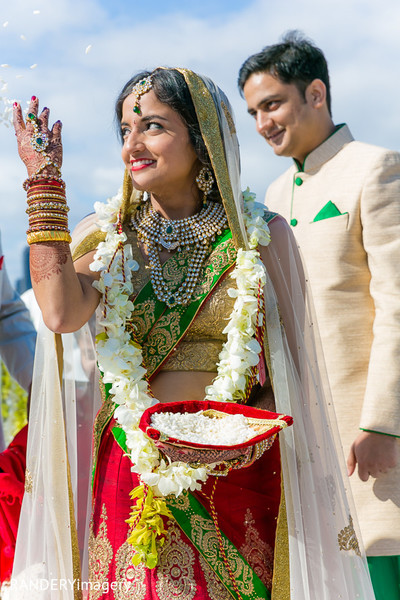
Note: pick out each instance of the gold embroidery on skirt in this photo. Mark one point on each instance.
(130, 581)
(347, 538)
(216, 590)
(100, 557)
(175, 576)
(205, 538)
(257, 552)
(181, 502)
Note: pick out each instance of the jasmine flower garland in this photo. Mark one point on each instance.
(241, 350)
(121, 361)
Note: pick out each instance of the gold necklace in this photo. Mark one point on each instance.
(194, 234)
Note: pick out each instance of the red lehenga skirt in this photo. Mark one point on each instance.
(246, 501)
(12, 479)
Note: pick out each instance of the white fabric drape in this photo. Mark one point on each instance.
(43, 566)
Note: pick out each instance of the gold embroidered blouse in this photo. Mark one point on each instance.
(200, 347)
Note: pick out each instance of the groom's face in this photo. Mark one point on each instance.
(283, 115)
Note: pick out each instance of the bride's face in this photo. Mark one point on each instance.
(156, 147)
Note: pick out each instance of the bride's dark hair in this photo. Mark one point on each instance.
(170, 87)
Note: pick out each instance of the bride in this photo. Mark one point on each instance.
(199, 295)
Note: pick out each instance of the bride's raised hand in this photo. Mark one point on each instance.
(39, 147)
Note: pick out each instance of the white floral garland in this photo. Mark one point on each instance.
(120, 359)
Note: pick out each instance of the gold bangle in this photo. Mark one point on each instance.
(49, 224)
(48, 227)
(57, 206)
(42, 215)
(48, 236)
(44, 196)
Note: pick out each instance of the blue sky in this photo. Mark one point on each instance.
(359, 37)
(203, 9)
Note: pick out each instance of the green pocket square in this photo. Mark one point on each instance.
(328, 211)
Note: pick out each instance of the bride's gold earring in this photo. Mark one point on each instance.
(205, 181)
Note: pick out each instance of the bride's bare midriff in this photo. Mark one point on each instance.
(178, 386)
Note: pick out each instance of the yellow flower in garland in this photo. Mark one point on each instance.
(148, 532)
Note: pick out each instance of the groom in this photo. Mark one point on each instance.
(342, 199)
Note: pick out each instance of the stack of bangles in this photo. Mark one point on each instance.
(47, 210)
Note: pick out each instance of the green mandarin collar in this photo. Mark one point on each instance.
(327, 150)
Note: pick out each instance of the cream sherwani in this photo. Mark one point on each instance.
(344, 206)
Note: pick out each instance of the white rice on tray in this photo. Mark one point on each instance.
(201, 429)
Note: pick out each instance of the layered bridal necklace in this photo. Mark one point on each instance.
(194, 234)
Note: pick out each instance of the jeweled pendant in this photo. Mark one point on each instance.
(171, 301)
(168, 245)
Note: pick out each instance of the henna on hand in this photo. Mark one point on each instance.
(24, 132)
(47, 259)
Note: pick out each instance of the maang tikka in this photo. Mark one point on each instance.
(141, 87)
